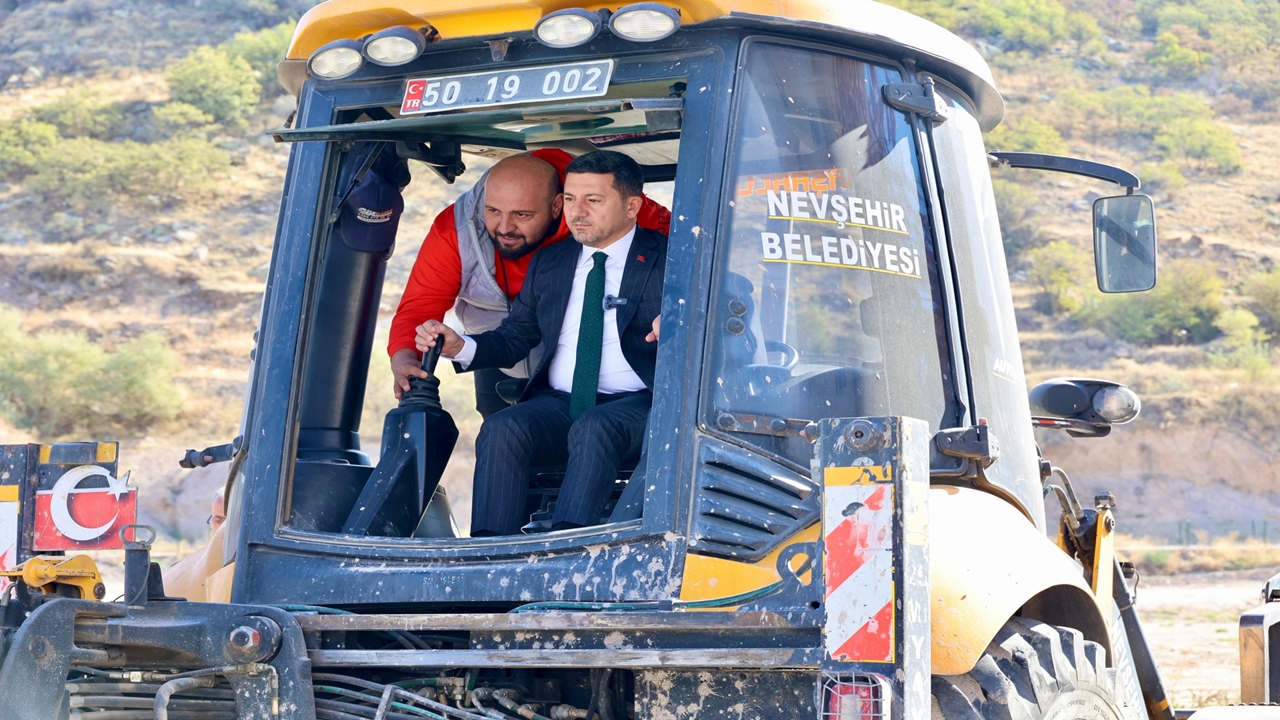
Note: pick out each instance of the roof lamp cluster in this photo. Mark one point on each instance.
(641, 22)
(399, 45)
(391, 47)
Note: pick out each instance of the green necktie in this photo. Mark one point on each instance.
(586, 369)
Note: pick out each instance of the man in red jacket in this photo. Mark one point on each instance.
(475, 257)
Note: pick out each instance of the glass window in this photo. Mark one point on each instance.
(995, 358)
(827, 302)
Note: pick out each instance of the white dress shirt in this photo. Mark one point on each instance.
(616, 375)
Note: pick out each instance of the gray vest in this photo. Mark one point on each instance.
(482, 305)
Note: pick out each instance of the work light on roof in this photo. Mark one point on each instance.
(336, 60)
(395, 46)
(645, 22)
(567, 28)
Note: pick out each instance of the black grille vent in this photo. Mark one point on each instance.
(745, 505)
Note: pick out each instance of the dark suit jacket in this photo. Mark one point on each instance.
(538, 311)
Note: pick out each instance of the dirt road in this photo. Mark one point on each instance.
(1191, 621)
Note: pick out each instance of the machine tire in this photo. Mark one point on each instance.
(1032, 671)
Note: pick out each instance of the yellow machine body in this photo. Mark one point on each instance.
(338, 19)
(44, 573)
(974, 591)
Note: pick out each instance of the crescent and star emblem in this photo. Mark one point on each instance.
(69, 483)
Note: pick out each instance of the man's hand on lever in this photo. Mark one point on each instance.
(433, 331)
(657, 325)
(405, 364)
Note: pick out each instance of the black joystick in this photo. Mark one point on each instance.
(417, 440)
(425, 392)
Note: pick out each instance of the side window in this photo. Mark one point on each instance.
(995, 359)
(826, 301)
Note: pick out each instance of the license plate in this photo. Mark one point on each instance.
(507, 87)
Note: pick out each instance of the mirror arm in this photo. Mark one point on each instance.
(1069, 165)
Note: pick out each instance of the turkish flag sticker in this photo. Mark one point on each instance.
(71, 517)
(412, 96)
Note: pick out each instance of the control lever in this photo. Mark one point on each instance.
(417, 440)
(425, 392)
(211, 455)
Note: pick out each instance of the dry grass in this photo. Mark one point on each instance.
(1154, 557)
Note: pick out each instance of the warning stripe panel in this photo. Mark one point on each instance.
(873, 642)
(858, 562)
(858, 532)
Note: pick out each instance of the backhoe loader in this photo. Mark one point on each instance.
(839, 509)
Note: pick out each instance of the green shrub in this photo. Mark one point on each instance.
(1181, 308)
(179, 118)
(1083, 29)
(84, 115)
(1016, 210)
(1033, 25)
(1027, 135)
(1061, 271)
(1158, 16)
(1202, 140)
(22, 144)
(216, 82)
(1164, 175)
(89, 172)
(263, 50)
(1170, 60)
(1235, 44)
(61, 383)
(137, 383)
(1124, 112)
(1244, 344)
(1264, 288)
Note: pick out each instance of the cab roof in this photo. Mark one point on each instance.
(453, 19)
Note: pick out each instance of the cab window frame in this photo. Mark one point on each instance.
(662, 511)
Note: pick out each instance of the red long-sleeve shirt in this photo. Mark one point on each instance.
(436, 278)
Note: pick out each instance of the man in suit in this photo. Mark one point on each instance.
(594, 305)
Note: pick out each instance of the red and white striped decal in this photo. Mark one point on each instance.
(857, 525)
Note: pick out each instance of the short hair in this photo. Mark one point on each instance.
(628, 178)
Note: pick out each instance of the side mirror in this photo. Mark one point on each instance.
(1081, 406)
(1124, 243)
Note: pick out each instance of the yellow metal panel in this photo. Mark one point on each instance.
(107, 452)
(354, 19)
(8, 493)
(708, 578)
(44, 453)
(986, 560)
(1104, 561)
(856, 475)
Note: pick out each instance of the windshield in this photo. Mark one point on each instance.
(827, 302)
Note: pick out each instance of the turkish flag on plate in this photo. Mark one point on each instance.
(70, 517)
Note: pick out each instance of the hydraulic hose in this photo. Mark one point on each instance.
(167, 690)
(379, 688)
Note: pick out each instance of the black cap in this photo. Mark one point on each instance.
(371, 214)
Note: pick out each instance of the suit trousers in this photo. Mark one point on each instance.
(538, 431)
(488, 401)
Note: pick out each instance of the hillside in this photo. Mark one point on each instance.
(138, 200)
